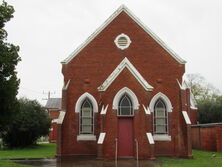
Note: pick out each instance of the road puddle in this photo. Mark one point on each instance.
(88, 163)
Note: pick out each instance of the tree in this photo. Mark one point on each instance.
(208, 98)
(30, 122)
(200, 88)
(9, 58)
(210, 111)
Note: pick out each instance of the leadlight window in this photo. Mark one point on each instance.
(86, 117)
(125, 106)
(160, 118)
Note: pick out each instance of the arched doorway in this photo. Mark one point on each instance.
(125, 127)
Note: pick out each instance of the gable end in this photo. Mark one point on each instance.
(123, 8)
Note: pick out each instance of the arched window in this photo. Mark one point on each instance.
(125, 106)
(86, 117)
(160, 117)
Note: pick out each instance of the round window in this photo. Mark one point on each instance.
(122, 41)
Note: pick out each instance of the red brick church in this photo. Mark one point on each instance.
(124, 95)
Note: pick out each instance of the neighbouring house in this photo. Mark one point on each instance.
(53, 106)
(124, 95)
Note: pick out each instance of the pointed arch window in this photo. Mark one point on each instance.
(160, 117)
(125, 106)
(86, 117)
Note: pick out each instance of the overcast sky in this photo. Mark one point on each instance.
(47, 31)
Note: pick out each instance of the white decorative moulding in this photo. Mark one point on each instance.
(125, 63)
(85, 137)
(104, 109)
(122, 41)
(186, 117)
(164, 137)
(147, 110)
(101, 138)
(150, 138)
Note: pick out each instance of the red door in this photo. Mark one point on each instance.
(125, 140)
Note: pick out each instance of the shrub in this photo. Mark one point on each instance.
(210, 110)
(29, 123)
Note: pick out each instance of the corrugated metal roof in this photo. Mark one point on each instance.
(53, 103)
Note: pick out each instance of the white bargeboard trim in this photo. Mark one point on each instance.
(125, 63)
(123, 8)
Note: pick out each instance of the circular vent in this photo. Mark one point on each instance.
(122, 41)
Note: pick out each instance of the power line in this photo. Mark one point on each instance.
(49, 93)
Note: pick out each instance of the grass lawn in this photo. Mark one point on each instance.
(201, 159)
(12, 164)
(37, 151)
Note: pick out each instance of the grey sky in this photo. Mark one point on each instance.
(47, 31)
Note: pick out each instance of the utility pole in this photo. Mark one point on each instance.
(49, 93)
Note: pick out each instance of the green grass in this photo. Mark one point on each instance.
(201, 159)
(12, 164)
(37, 151)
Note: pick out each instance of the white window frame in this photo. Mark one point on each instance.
(154, 117)
(130, 93)
(118, 112)
(86, 137)
(169, 108)
(80, 119)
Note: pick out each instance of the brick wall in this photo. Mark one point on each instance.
(207, 137)
(53, 114)
(95, 63)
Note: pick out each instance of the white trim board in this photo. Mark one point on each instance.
(123, 8)
(101, 138)
(150, 138)
(61, 117)
(85, 137)
(164, 137)
(65, 87)
(186, 117)
(147, 110)
(125, 63)
(104, 109)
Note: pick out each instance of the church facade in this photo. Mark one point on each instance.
(124, 95)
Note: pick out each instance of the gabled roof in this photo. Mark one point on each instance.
(125, 63)
(53, 103)
(123, 8)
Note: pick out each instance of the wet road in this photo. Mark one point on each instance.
(88, 163)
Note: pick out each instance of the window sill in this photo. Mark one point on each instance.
(124, 116)
(161, 137)
(83, 137)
